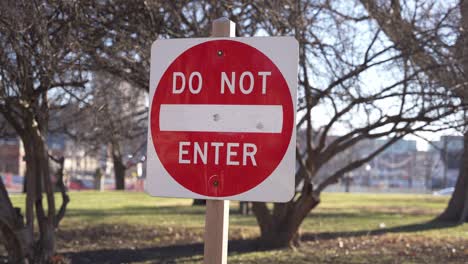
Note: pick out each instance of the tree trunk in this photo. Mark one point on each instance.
(457, 208)
(119, 167)
(199, 202)
(119, 171)
(280, 228)
(11, 227)
(24, 184)
(20, 235)
(98, 179)
(244, 208)
(18, 230)
(39, 182)
(60, 187)
(12, 244)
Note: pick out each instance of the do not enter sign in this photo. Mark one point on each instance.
(222, 118)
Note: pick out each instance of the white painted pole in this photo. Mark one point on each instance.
(217, 212)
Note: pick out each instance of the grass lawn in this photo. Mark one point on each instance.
(118, 227)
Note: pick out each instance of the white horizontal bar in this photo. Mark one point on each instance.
(221, 118)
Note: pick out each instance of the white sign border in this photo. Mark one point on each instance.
(279, 186)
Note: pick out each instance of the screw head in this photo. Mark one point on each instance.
(215, 183)
(220, 53)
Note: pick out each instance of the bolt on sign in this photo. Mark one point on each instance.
(222, 118)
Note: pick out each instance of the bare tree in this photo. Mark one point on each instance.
(434, 36)
(338, 53)
(38, 58)
(115, 115)
(119, 34)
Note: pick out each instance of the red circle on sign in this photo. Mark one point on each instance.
(221, 175)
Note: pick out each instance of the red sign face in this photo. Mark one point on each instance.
(221, 118)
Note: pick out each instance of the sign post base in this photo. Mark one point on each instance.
(216, 231)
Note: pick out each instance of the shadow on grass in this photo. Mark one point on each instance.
(162, 254)
(142, 210)
(134, 210)
(193, 211)
(431, 225)
(167, 254)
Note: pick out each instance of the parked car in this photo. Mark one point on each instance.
(79, 184)
(445, 191)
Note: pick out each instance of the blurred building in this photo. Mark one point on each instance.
(11, 156)
(56, 144)
(79, 163)
(400, 167)
(447, 154)
(393, 168)
(11, 163)
(86, 166)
